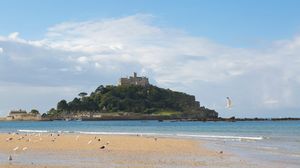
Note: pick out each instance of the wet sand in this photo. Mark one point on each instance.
(74, 150)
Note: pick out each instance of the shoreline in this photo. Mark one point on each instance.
(69, 150)
(232, 119)
(65, 150)
(184, 136)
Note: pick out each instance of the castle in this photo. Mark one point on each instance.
(134, 80)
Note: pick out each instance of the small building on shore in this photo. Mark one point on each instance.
(22, 115)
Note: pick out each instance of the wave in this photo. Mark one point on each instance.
(222, 137)
(121, 133)
(217, 137)
(197, 136)
(268, 148)
(33, 131)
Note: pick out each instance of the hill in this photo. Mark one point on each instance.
(131, 100)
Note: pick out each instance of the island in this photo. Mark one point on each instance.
(134, 98)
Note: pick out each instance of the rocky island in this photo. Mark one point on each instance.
(134, 98)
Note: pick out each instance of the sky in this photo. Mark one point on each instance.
(247, 50)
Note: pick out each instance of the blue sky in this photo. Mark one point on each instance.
(232, 22)
(248, 50)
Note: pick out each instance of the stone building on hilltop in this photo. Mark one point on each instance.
(134, 80)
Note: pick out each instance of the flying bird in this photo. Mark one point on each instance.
(228, 103)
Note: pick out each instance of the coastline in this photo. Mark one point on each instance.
(70, 150)
(161, 119)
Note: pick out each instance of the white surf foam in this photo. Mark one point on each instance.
(33, 131)
(121, 133)
(197, 136)
(221, 137)
(214, 137)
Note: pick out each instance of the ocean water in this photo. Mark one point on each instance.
(262, 143)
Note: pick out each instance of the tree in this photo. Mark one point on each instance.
(99, 89)
(62, 105)
(82, 94)
(138, 99)
(34, 111)
(75, 105)
(53, 113)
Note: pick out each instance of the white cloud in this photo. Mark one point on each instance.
(14, 36)
(135, 40)
(1, 50)
(92, 52)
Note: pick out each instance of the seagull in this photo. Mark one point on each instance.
(9, 139)
(77, 137)
(16, 148)
(102, 147)
(25, 148)
(228, 103)
(10, 158)
(21, 137)
(90, 142)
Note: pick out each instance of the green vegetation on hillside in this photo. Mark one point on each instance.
(150, 100)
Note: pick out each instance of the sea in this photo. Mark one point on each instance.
(260, 143)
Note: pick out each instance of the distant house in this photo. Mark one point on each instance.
(22, 115)
(134, 80)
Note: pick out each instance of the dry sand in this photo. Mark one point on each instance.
(72, 150)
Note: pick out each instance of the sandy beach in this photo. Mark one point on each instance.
(78, 150)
